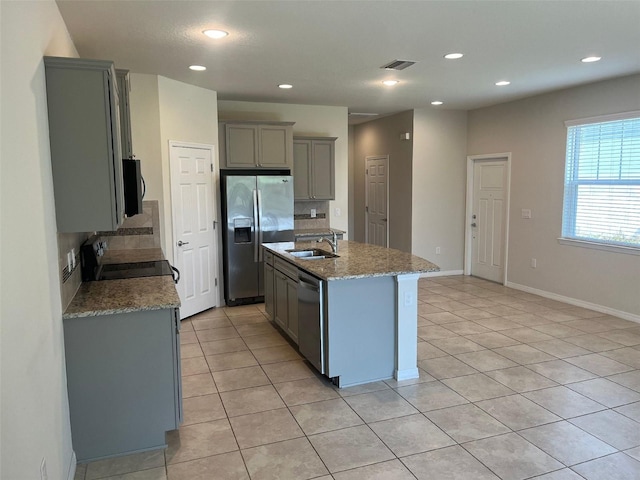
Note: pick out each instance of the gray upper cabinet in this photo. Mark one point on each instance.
(314, 167)
(124, 87)
(256, 145)
(84, 134)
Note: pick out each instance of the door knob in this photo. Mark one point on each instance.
(474, 224)
(181, 243)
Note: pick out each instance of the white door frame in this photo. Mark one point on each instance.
(215, 196)
(468, 244)
(366, 194)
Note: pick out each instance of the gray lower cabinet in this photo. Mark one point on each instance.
(314, 168)
(269, 290)
(84, 134)
(256, 145)
(356, 332)
(281, 294)
(123, 381)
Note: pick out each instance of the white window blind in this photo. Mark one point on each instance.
(602, 183)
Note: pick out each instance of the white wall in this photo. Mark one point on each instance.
(533, 131)
(187, 114)
(35, 411)
(310, 120)
(162, 110)
(144, 105)
(439, 180)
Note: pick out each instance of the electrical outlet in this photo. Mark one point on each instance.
(43, 470)
(408, 299)
(313, 213)
(534, 263)
(337, 211)
(437, 250)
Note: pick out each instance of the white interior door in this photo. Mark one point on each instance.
(377, 201)
(488, 219)
(195, 242)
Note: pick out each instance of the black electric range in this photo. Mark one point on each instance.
(93, 269)
(115, 271)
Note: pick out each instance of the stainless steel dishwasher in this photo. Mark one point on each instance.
(311, 319)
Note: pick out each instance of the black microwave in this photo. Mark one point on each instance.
(133, 186)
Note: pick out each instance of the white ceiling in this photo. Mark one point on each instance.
(331, 51)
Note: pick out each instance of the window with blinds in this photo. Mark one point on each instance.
(602, 181)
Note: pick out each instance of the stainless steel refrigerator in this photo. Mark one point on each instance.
(256, 209)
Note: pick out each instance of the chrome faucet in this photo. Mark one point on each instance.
(334, 244)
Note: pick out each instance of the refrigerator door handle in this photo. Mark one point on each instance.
(260, 234)
(256, 226)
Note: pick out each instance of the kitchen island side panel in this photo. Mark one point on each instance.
(361, 332)
(120, 380)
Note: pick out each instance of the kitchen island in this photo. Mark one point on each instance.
(122, 349)
(361, 325)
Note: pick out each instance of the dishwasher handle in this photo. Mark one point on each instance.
(309, 286)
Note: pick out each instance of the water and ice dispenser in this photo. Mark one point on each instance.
(242, 230)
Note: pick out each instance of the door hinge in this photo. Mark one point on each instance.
(215, 222)
(216, 282)
(212, 167)
(366, 171)
(366, 208)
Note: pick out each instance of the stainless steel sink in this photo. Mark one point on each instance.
(311, 254)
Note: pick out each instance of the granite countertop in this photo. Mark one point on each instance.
(315, 232)
(126, 295)
(355, 260)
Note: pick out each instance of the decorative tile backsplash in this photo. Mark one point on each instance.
(139, 231)
(302, 219)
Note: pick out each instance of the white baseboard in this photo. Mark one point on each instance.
(72, 466)
(441, 273)
(574, 301)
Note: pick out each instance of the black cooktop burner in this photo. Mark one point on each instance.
(118, 271)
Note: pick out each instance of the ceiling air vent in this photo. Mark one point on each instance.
(397, 65)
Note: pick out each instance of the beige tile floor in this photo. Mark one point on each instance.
(512, 386)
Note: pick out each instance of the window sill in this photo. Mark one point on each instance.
(599, 246)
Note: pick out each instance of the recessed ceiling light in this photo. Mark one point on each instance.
(285, 86)
(502, 83)
(590, 59)
(453, 56)
(198, 68)
(437, 102)
(390, 83)
(215, 33)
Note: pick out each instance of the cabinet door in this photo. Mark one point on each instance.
(322, 170)
(125, 116)
(123, 374)
(302, 169)
(242, 146)
(281, 314)
(292, 302)
(269, 293)
(84, 135)
(275, 146)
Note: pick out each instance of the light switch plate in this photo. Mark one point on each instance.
(526, 213)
